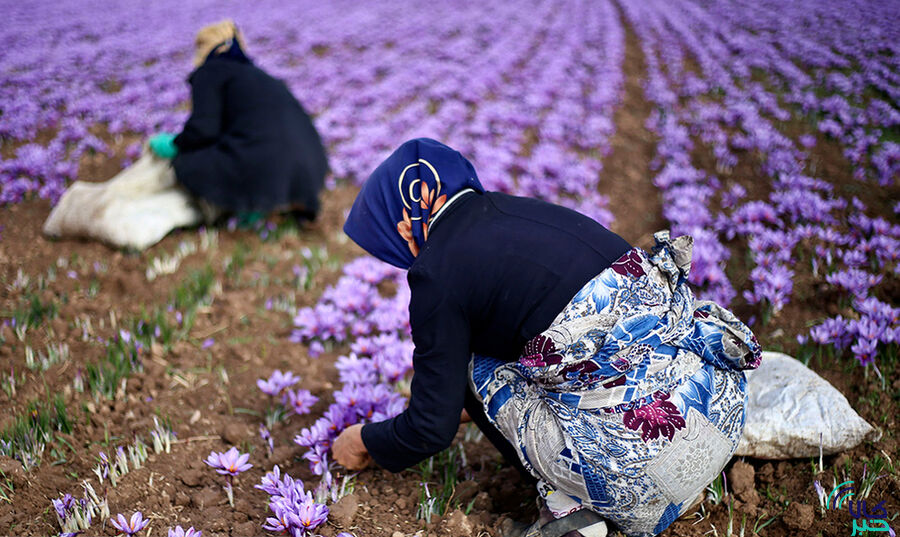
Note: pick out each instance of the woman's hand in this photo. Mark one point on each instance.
(348, 449)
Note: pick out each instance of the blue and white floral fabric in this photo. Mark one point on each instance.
(632, 402)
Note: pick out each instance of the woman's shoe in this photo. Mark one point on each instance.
(581, 523)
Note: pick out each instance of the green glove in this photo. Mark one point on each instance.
(163, 144)
(248, 219)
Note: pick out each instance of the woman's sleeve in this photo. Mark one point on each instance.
(440, 363)
(205, 124)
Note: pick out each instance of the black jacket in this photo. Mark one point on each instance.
(495, 271)
(248, 145)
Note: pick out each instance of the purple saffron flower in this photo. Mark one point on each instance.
(267, 438)
(316, 348)
(318, 459)
(232, 462)
(301, 401)
(277, 383)
(311, 514)
(272, 483)
(283, 521)
(865, 351)
(129, 527)
(320, 432)
(178, 531)
(208, 342)
(63, 506)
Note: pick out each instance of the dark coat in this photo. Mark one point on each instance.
(495, 271)
(248, 145)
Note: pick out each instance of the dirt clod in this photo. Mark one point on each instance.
(465, 491)
(456, 524)
(234, 433)
(483, 502)
(799, 516)
(245, 508)
(206, 497)
(191, 478)
(282, 455)
(343, 511)
(740, 477)
(13, 471)
(767, 473)
(246, 529)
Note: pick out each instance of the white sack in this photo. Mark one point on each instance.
(135, 209)
(790, 408)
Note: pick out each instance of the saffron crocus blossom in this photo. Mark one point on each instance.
(283, 521)
(63, 506)
(294, 509)
(230, 463)
(301, 401)
(266, 437)
(129, 527)
(278, 383)
(178, 531)
(311, 514)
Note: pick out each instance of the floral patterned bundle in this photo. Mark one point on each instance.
(633, 400)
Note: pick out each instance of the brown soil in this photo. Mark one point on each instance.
(634, 200)
(210, 395)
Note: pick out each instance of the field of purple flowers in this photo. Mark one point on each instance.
(200, 384)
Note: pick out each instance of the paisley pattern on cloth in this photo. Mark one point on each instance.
(632, 402)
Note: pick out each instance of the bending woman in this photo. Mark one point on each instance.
(248, 145)
(585, 360)
(247, 149)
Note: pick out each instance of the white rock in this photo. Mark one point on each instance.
(791, 411)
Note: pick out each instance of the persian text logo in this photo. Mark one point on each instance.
(872, 520)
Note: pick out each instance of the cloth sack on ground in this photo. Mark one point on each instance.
(791, 411)
(135, 209)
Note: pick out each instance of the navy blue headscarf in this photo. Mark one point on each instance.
(390, 216)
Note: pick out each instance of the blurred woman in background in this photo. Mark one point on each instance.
(247, 149)
(248, 146)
